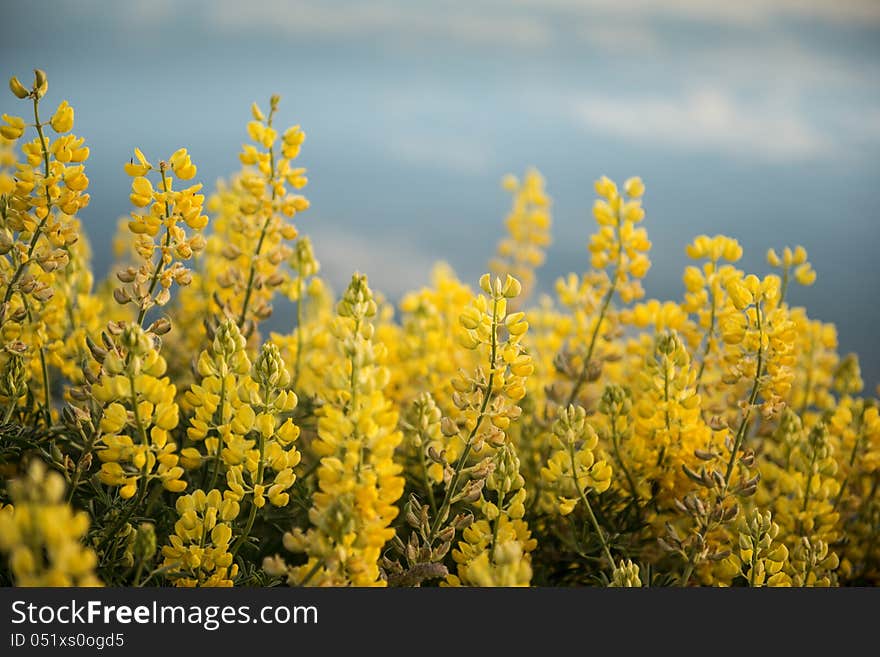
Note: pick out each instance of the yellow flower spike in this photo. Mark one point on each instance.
(793, 264)
(189, 561)
(358, 480)
(759, 559)
(43, 535)
(698, 413)
(159, 256)
(137, 418)
(522, 250)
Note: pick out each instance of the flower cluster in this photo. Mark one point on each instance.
(161, 241)
(40, 194)
(139, 412)
(758, 557)
(495, 550)
(521, 251)
(254, 213)
(358, 480)
(42, 534)
(156, 430)
(199, 553)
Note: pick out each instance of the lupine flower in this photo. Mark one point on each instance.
(43, 535)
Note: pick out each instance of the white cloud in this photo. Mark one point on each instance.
(705, 119)
(393, 265)
(443, 152)
(621, 38)
(403, 20)
(780, 63)
(742, 12)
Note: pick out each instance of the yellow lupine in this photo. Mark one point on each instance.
(199, 551)
(758, 556)
(42, 194)
(743, 446)
(521, 251)
(140, 410)
(42, 535)
(358, 480)
(160, 257)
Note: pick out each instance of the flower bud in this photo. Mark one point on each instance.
(18, 88)
(41, 83)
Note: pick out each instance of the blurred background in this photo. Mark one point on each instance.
(759, 119)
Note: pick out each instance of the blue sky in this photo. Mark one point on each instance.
(757, 119)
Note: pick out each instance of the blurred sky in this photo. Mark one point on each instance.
(754, 118)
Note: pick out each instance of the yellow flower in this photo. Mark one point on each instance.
(358, 480)
(140, 411)
(42, 535)
(160, 257)
(758, 557)
(199, 553)
(573, 471)
(14, 127)
(521, 252)
(62, 120)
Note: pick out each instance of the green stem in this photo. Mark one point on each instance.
(662, 455)
(688, 571)
(809, 485)
(582, 377)
(459, 466)
(138, 573)
(299, 328)
(312, 572)
(77, 474)
(44, 368)
(707, 347)
(808, 384)
(496, 526)
(429, 487)
(220, 409)
(253, 266)
(615, 445)
(593, 520)
(258, 481)
(852, 459)
(784, 287)
(158, 270)
(22, 266)
(741, 432)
